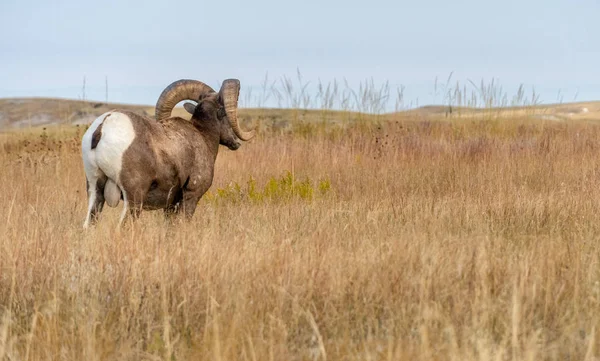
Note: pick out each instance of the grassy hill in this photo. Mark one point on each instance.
(18, 113)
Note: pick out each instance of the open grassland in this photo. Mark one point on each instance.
(293, 99)
(401, 238)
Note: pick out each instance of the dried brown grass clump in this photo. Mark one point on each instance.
(463, 240)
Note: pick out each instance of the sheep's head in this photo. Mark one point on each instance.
(211, 108)
(220, 108)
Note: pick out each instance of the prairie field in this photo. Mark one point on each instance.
(387, 238)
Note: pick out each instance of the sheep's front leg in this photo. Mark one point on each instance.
(188, 204)
(194, 189)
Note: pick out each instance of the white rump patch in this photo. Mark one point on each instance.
(117, 136)
(89, 155)
(107, 157)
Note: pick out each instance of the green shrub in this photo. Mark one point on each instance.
(282, 189)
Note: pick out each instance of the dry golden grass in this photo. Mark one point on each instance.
(437, 240)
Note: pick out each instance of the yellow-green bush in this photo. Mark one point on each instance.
(284, 188)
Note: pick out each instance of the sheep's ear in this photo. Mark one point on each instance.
(190, 107)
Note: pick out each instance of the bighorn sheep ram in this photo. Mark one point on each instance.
(163, 163)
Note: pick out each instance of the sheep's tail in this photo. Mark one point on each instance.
(112, 193)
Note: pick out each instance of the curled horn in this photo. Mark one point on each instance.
(184, 89)
(230, 91)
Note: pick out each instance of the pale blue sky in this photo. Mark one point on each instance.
(47, 47)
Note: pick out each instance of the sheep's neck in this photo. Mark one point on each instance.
(210, 136)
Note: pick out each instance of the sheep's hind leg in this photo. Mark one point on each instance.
(132, 205)
(95, 191)
(125, 208)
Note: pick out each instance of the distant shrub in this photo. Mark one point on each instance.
(284, 188)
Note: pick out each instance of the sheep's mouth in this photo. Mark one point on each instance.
(232, 145)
